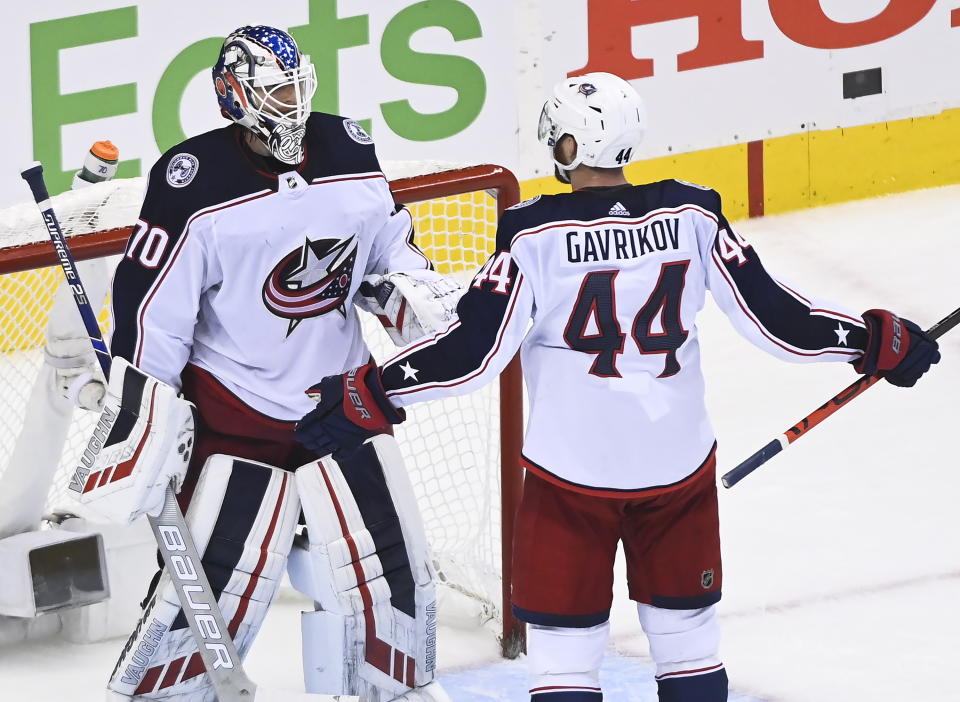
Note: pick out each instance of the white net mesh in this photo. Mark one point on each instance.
(451, 446)
(108, 205)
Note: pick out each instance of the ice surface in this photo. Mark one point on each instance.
(841, 556)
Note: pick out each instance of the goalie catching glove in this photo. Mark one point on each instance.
(897, 349)
(142, 440)
(350, 409)
(411, 304)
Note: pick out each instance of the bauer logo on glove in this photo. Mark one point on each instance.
(897, 349)
(351, 408)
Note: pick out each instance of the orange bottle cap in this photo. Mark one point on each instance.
(105, 150)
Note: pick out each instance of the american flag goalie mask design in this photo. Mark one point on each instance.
(264, 83)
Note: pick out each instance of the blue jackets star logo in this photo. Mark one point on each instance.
(312, 280)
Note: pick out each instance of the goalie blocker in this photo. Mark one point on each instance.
(143, 439)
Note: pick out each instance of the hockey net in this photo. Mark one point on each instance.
(461, 452)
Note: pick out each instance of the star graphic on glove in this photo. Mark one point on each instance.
(841, 334)
(409, 371)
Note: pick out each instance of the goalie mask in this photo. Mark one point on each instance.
(265, 84)
(603, 114)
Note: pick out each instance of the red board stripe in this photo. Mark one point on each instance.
(755, 189)
(955, 18)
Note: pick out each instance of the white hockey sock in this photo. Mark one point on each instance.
(565, 659)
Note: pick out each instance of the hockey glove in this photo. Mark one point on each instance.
(411, 304)
(142, 441)
(350, 409)
(897, 349)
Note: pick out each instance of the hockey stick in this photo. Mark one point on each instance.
(841, 399)
(174, 539)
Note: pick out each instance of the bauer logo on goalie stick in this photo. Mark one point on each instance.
(186, 572)
(182, 169)
(356, 132)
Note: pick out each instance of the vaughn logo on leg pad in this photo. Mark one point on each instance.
(430, 664)
(146, 647)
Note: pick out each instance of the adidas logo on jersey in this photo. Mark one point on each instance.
(619, 210)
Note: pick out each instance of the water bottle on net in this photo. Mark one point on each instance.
(99, 165)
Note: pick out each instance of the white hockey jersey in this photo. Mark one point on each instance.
(602, 288)
(251, 275)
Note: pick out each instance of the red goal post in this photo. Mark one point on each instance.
(438, 192)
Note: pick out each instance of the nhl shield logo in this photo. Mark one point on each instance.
(706, 579)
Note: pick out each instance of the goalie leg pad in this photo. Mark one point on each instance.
(367, 566)
(564, 662)
(143, 439)
(242, 516)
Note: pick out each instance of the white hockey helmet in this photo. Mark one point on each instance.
(604, 115)
(255, 65)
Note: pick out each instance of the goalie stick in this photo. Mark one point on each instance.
(179, 552)
(841, 399)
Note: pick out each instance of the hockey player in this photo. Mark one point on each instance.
(237, 285)
(600, 289)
